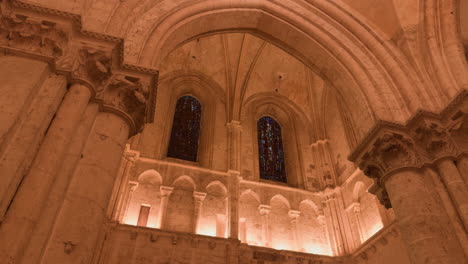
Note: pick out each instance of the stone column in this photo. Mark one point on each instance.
(324, 164)
(264, 211)
(294, 215)
(33, 193)
(335, 230)
(462, 165)
(233, 204)
(458, 129)
(321, 219)
(58, 190)
(126, 198)
(199, 198)
(438, 145)
(165, 193)
(420, 216)
(84, 210)
(234, 136)
(393, 158)
(355, 209)
(80, 224)
(121, 191)
(456, 187)
(18, 151)
(449, 207)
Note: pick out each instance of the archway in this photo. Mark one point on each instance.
(355, 58)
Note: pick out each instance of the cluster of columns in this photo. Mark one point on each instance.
(264, 211)
(335, 223)
(355, 209)
(165, 193)
(323, 160)
(63, 198)
(234, 137)
(401, 161)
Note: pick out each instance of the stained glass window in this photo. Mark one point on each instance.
(270, 150)
(185, 129)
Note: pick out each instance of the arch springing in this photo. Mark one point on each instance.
(185, 132)
(270, 150)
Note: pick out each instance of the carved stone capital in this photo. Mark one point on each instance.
(166, 190)
(294, 215)
(199, 196)
(124, 94)
(389, 152)
(434, 138)
(264, 209)
(458, 130)
(91, 59)
(426, 138)
(89, 65)
(37, 37)
(128, 95)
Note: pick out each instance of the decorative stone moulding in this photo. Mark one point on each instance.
(91, 59)
(40, 37)
(424, 140)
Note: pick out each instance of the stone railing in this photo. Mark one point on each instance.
(138, 245)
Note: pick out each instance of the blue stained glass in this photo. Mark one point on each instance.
(270, 150)
(185, 129)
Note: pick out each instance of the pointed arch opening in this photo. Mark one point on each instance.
(185, 132)
(270, 150)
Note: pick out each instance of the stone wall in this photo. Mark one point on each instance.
(140, 245)
(386, 247)
(187, 198)
(137, 245)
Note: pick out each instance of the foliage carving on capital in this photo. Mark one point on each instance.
(390, 152)
(127, 94)
(435, 140)
(39, 37)
(91, 65)
(458, 129)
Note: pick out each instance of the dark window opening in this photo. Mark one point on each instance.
(185, 129)
(270, 150)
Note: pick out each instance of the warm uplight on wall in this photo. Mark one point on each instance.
(206, 229)
(316, 249)
(212, 227)
(282, 245)
(131, 218)
(374, 229)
